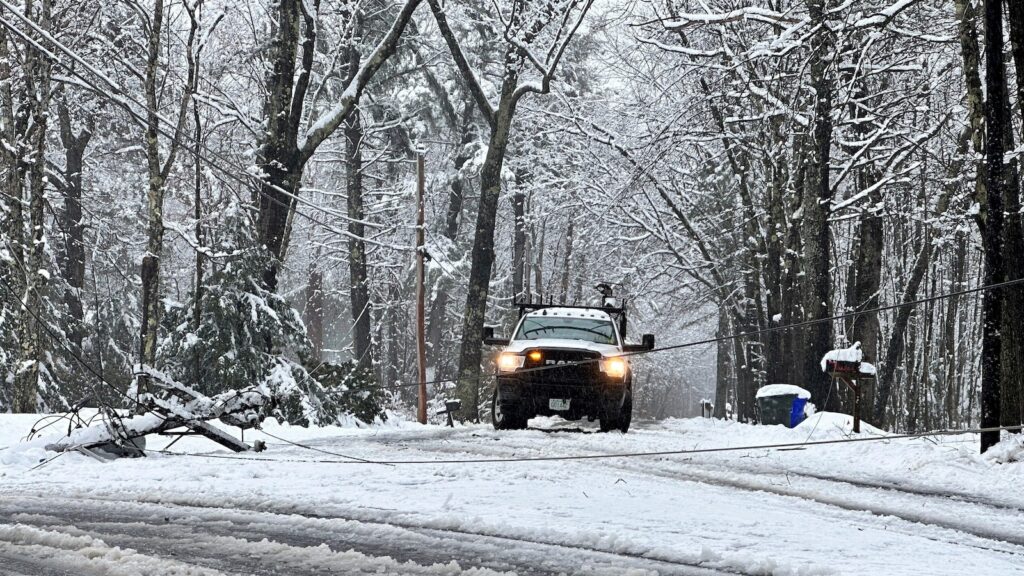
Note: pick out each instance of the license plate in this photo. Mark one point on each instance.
(557, 404)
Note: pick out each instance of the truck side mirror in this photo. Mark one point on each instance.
(490, 340)
(647, 342)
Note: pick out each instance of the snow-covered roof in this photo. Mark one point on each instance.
(782, 390)
(593, 313)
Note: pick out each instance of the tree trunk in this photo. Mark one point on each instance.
(867, 284)
(538, 259)
(793, 268)
(440, 358)
(197, 214)
(1013, 326)
(482, 257)
(1016, 25)
(722, 364)
(12, 225)
(314, 309)
(150, 272)
(953, 371)
(567, 260)
(991, 219)
(279, 152)
(1012, 331)
(749, 351)
(815, 231)
(746, 353)
(393, 317)
(33, 352)
(359, 289)
(158, 172)
(73, 260)
(519, 245)
(774, 271)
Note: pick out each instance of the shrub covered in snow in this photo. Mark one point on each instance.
(353, 390)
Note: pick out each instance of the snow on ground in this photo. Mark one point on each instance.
(896, 506)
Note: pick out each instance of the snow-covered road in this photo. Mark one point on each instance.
(239, 541)
(926, 506)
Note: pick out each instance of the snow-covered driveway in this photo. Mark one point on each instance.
(926, 506)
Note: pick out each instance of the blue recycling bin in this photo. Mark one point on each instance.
(782, 404)
(797, 415)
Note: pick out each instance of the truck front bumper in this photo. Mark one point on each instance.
(520, 392)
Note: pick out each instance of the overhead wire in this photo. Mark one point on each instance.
(124, 100)
(734, 336)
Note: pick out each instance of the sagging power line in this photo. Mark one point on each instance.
(737, 335)
(616, 455)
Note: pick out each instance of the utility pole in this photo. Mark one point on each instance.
(421, 332)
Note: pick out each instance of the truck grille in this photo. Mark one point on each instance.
(560, 368)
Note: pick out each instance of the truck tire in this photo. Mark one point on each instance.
(506, 417)
(618, 416)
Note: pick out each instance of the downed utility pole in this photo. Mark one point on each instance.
(180, 407)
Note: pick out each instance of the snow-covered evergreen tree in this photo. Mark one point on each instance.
(247, 336)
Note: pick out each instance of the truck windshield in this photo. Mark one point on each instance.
(537, 327)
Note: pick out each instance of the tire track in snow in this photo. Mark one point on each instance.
(650, 429)
(526, 556)
(19, 566)
(758, 481)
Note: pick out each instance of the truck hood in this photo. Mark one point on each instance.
(517, 346)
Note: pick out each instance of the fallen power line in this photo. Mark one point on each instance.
(315, 449)
(570, 457)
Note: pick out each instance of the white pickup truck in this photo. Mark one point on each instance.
(568, 361)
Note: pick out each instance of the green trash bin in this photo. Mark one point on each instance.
(781, 404)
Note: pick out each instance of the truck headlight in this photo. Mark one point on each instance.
(509, 362)
(614, 367)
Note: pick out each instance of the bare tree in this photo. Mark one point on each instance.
(72, 223)
(523, 26)
(33, 351)
(159, 169)
(284, 151)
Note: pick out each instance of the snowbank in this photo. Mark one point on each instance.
(833, 421)
(1009, 450)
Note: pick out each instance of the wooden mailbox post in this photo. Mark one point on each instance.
(855, 374)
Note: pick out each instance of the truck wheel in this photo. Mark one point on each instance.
(506, 417)
(626, 414)
(618, 416)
